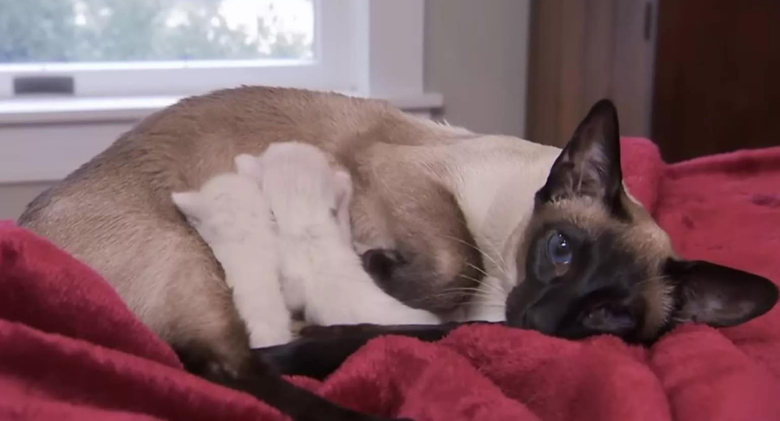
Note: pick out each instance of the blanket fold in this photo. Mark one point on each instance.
(70, 348)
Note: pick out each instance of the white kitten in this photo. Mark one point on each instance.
(234, 219)
(322, 275)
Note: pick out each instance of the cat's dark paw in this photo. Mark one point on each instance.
(337, 331)
(380, 263)
(377, 418)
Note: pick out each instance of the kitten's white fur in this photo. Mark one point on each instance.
(234, 219)
(322, 275)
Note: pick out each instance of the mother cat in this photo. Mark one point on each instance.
(563, 245)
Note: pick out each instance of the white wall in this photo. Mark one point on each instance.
(476, 56)
(15, 196)
(28, 144)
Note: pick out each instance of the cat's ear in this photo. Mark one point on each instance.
(343, 187)
(718, 295)
(249, 165)
(187, 202)
(589, 165)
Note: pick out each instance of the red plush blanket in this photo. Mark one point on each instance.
(70, 349)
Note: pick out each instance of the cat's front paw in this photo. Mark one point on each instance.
(338, 331)
(409, 316)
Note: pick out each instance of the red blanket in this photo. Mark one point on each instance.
(70, 349)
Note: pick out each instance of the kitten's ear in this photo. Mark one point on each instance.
(187, 202)
(249, 165)
(589, 165)
(343, 187)
(718, 295)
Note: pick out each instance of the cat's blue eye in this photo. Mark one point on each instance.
(559, 250)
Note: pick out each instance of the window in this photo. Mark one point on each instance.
(172, 47)
(126, 59)
(83, 31)
(118, 60)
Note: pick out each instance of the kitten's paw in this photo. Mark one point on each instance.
(336, 331)
(265, 336)
(409, 316)
(385, 309)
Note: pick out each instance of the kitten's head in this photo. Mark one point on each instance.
(595, 262)
(223, 206)
(301, 186)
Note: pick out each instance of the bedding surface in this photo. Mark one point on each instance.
(70, 349)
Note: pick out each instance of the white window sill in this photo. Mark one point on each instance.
(114, 109)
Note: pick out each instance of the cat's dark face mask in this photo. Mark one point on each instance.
(593, 261)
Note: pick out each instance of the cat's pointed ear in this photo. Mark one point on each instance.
(589, 165)
(343, 186)
(249, 165)
(718, 295)
(187, 202)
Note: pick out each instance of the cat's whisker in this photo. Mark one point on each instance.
(470, 293)
(478, 269)
(479, 294)
(483, 283)
(450, 292)
(485, 297)
(473, 246)
(453, 291)
(501, 267)
(497, 252)
(493, 305)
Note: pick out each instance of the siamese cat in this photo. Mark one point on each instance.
(322, 276)
(492, 227)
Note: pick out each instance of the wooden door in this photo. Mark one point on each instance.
(717, 78)
(585, 50)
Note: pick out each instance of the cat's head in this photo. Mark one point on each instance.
(301, 186)
(596, 262)
(223, 206)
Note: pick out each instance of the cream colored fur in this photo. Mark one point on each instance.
(232, 216)
(322, 276)
(496, 193)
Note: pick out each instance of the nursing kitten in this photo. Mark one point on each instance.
(322, 275)
(234, 219)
